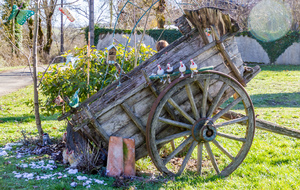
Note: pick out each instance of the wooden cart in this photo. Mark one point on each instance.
(170, 121)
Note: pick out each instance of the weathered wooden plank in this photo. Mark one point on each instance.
(140, 108)
(81, 125)
(141, 148)
(183, 25)
(129, 84)
(223, 51)
(181, 98)
(114, 120)
(96, 124)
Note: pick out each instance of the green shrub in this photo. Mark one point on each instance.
(65, 81)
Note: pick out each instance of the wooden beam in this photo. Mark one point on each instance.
(96, 124)
(78, 127)
(226, 56)
(136, 120)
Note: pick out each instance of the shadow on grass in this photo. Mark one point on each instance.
(291, 100)
(278, 67)
(27, 118)
(183, 181)
(276, 100)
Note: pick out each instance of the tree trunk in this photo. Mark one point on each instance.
(40, 36)
(159, 14)
(47, 46)
(13, 31)
(91, 23)
(31, 28)
(36, 95)
(62, 33)
(110, 13)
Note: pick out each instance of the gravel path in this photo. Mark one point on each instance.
(11, 81)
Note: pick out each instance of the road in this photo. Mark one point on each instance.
(11, 81)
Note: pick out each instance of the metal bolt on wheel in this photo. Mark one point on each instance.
(205, 142)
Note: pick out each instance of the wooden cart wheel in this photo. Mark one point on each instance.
(199, 104)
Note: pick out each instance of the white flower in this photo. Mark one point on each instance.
(73, 171)
(73, 184)
(24, 165)
(18, 176)
(3, 153)
(81, 178)
(7, 147)
(99, 181)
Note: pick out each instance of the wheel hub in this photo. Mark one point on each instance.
(204, 130)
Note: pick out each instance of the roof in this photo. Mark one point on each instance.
(111, 46)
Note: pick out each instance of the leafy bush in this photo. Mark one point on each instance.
(65, 81)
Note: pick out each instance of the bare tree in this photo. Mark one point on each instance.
(49, 9)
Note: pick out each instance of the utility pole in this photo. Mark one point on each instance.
(91, 22)
(62, 33)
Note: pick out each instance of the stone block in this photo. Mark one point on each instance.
(129, 157)
(115, 158)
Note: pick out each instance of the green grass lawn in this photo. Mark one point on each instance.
(273, 161)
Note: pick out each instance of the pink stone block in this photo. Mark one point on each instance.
(129, 157)
(115, 165)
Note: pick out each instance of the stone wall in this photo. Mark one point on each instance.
(290, 56)
(106, 40)
(251, 51)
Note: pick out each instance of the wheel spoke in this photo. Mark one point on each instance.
(223, 150)
(216, 100)
(202, 88)
(175, 123)
(245, 118)
(226, 109)
(192, 101)
(181, 111)
(212, 157)
(187, 157)
(199, 158)
(231, 137)
(172, 137)
(204, 98)
(178, 149)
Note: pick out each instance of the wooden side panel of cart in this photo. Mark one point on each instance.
(124, 111)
